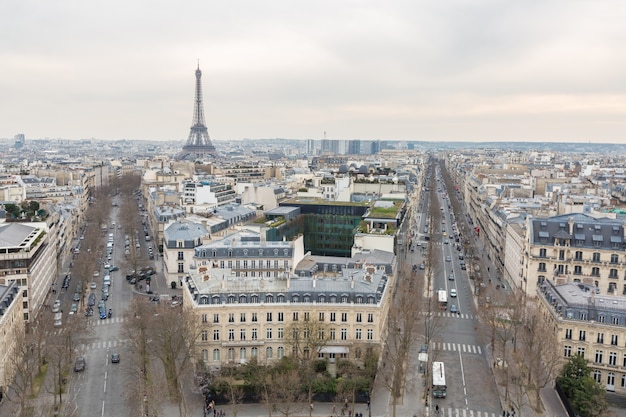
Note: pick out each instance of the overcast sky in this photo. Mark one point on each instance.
(471, 70)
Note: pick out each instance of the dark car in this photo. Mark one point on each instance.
(453, 309)
(92, 299)
(103, 314)
(115, 358)
(66, 281)
(76, 297)
(79, 366)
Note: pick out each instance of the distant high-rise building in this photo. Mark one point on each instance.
(20, 140)
(199, 144)
(330, 147)
(354, 147)
(310, 147)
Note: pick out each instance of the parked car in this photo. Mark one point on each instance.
(79, 365)
(76, 297)
(74, 308)
(56, 307)
(92, 299)
(448, 259)
(115, 358)
(453, 293)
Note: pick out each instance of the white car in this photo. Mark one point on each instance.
(453, 293)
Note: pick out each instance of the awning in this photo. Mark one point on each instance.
(334, 349)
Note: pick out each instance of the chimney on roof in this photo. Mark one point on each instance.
(314, 280)
(352, 281)
(570, 221)
(223, 282)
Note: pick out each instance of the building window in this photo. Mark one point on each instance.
(623, 380)
(216, 335)
(613, 358)
(568, 352)
(320, 316)
(597, 375)
(242, 334)
(613, 273)
(344, 317)
(231, 334)
(595, 257)
(281, 317)
(599, 354)
(581, 352)
(578, 256)
(542, 253)
(600, 338)
(615, 320)
(370, 334)
(205, 318)
(578, 270)
(614, 258)
(281, 352)
(254, 317)
(242, 317)
(230, 299)
(254, 352)
(216, 355)
(268, 353)
(269, 298)
(281, 332)
(280, 298)
(358, 318)
(268, 333)
(581, 335)
(231, 354)
(231, 317)
(614, 339)
(332, 317)
(204, 335)
(332, 334)
(370, 317)
(254, 334)
(307, 316)
(568, 334)
(181, 267)
(344, 334)
(242, 354)
(295, 316)
(358, 334)
(254, 299)
(268, 316)
(542, 267)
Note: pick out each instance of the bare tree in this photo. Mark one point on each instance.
(285, 390)
(22, 366)
(541, 358)
(233, 391)
(174, 333)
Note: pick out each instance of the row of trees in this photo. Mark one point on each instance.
(45, 354)
(524, 345)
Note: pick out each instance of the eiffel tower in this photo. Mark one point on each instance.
(199, 144)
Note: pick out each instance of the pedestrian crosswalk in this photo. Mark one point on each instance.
(455, 315)
(102, 322)
(459, 347)
(103, 344)
(462, 412)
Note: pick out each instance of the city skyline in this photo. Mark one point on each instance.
(460, 71)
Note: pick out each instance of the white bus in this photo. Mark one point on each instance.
(439, 380)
